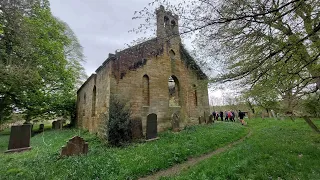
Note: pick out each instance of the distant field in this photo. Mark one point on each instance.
(275, 150)
(103, 162)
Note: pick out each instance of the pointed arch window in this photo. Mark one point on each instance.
(94, 94)
(146, 90)
(195, 95)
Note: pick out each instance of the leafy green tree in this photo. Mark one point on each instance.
(252, 38)
(39, 76)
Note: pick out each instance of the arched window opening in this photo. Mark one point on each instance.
(172, 54)
(195, 95)
(94, 94)
(173, 24)
(166, 21)
(145, 90)
(84, 98)
(174, 91)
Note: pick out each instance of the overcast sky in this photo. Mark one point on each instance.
(101, 26)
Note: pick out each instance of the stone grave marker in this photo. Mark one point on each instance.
(75, 146)
(57, 124)
(175, 120)
(199, 118)
(210, 121)
(136, 128)
(54, 124)
(20, 138)
(41, 127)
(152, 131)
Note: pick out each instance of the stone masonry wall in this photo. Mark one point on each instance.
(93, 121)
(123, 74)
(159, 69)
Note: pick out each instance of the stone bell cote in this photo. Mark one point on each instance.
(167, 24)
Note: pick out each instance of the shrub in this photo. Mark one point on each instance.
(119, 126)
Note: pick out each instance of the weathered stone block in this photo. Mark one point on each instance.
(210, 121)
(75, 146)
(41, 127)
(152, 131)
(136, 128)
(175, 121)
(20, 138)
(57, 124)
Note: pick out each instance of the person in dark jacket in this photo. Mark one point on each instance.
(233, 116)
(221, 115)
(241, 116)
(214, 114)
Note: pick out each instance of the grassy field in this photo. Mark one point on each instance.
(103, 162)
(275, 150)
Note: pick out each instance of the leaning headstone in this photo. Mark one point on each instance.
(152, 131)
(75, 146)
(210, 119)
(20, 138)
(41, 127)
(136, 128)
(175, 119)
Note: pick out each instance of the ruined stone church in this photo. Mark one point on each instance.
(157, 76)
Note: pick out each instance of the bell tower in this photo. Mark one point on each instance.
(167, 25)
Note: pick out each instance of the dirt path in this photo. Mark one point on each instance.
(176, 169)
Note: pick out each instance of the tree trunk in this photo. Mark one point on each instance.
(311, 124)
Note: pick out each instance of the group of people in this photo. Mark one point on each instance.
(228, 116)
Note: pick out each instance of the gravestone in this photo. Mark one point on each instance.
(200, 120)
(210, 119)
(136, 128)
(54, 124)
(151, 132)
(41, 127)
(57, 124)
(75, 146)
(20, 138)
(273, 114)
(175, 122)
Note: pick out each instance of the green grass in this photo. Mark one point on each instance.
(275, 150)
(103, 162)
(35, 128)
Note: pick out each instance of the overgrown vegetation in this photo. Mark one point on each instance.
(275, 150)
(119, 124)
(103, 162)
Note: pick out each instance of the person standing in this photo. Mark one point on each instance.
(241, 116)
(214, 115)
(233, 116)
(221, 115)
(226, 113)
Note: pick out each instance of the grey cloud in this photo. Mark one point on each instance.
(101, 25)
